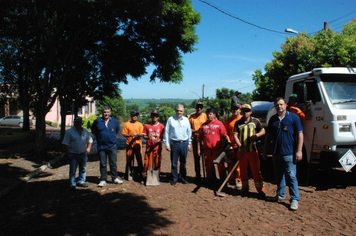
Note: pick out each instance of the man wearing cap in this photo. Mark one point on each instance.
(235, 179)
(235, 98)
(247, 130)
(153, 133)
(212, 134)
(106, 129)
(132, 131)
(293, 106)
(177, 138)
(78, 142)
(196, 120)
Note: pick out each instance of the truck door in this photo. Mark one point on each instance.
(310, 102)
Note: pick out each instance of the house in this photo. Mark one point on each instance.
(9, 106)
(54, 114)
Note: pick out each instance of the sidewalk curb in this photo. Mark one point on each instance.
(31, 175)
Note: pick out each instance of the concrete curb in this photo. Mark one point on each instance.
(31, 175)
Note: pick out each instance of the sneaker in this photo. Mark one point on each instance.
(173, 183)
(239, 186)
(183, 181)
(118, 181)
(83, 185)
(102, 183)
(294, 205)
(277, 198)
(72, 187)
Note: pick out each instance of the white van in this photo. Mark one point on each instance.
(330, 129)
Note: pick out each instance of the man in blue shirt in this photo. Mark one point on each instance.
(105, 129)
(286, 132)
(78, 143)
(178, 140)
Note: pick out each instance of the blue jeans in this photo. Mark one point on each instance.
(284, 165)
(179, 151)
(81, 160)
(110, 153)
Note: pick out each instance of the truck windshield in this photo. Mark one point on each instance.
(340, 88)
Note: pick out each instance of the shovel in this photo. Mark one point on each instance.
(152, 175)
(219, 193)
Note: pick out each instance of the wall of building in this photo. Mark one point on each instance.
(54, 114)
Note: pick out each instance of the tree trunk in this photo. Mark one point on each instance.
(26, 119)
(64, 108)
(40, 135)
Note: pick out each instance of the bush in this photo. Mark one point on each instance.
(88, 122)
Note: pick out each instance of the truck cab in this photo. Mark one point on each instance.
(328, 97)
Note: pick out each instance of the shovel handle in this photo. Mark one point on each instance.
(230, 173)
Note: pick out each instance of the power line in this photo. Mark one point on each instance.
(342, 17)
(237, 18)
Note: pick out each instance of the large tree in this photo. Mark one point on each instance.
(107, 41)
(304, 53)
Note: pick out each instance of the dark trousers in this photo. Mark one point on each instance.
(110, 153)
(196, 158)
(179, 151)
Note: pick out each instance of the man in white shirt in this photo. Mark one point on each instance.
(78, 142)
(178, 140)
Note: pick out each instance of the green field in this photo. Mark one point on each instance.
(142, 103)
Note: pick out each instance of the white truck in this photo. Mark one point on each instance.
(330, 128)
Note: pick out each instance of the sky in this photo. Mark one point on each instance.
(237, 37)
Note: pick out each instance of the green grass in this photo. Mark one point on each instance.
(11, 136)
(142, 103)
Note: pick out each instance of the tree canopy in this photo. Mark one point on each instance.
(62, 48)
(304, 53)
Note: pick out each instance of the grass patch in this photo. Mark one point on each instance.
(15, 136)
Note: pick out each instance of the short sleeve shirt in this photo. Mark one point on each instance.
(105, 134)
(244, 132)
(283, 132)
(77, 142)
(157, 132)
(229, 126)
(130, 128)
(212, 134)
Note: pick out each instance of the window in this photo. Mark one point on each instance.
(307, 91)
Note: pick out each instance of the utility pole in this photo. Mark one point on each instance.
(326, 26)
(202, 94)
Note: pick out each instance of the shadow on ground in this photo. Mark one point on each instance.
(50, 208)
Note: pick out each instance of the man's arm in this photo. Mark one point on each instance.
(166, 135)
(237, 140)
(259, 134)
(299, 153)
(189, 131)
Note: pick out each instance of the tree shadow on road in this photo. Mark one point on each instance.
(51, 208)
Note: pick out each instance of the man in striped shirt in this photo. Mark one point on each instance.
(247, 130)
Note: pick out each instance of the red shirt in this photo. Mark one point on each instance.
(157, 132)
(212, 133)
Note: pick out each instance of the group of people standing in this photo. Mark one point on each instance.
(202, 133)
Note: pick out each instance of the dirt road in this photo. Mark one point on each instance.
(46, 206)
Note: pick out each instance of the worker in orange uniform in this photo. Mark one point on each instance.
(196, 120)
(154, 132)
(235, 178)
(247, 130)
(293, 106)
(212, 135)
(133, 131)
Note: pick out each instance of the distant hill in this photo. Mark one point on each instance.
(142, 103)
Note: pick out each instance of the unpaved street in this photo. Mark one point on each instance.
(46, 206)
